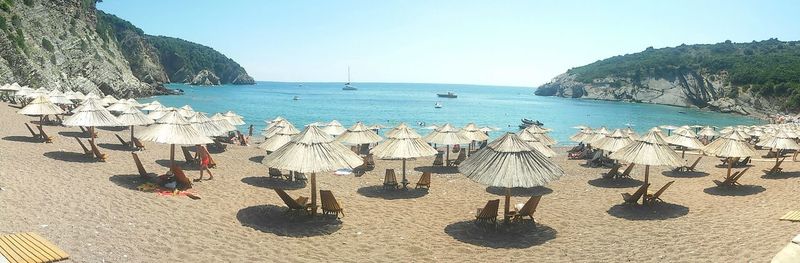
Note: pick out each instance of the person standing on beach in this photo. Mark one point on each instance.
(204, 162)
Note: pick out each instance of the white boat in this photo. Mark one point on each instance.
(347, 85)
(438, 105)
(296, 98)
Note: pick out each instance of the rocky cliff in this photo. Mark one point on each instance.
(69, 45)
(749, 79)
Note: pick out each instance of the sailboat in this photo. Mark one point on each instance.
(438, 105)
(347, 85)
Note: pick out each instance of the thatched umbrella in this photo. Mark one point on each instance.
(280, 136)
(173, 129)
(613, 142)
(669, 128)
(472, 132)
(205, 125)
(233, 118)
(731, 145)
(108, 100)
(510, 162)
(446, 135)
(404, 143)
(92, 114)
(648, 150)
(685, 138)
(708, 132)
(781, 141)
(541, 134)
(334, 128)
(398, 127)
(223, 122)
(631, 133)
(313, 151)
(359, 134)
(132, 116)
(278, 126)
(536, 143)
(153, 105)
(583, 135)
(40, 106)
(159, 112)
(119, 106)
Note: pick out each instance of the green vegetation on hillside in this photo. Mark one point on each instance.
(182, 59)
(770, 68)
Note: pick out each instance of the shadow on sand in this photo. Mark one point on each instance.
(658, 211)
(115, 147)
(437, 169)
(615, 183)
(128, 181)
(377, 191)
(182, 163)
(257, 159)
(781, 175)
(519, 191)
(22, 139)
(274, 219)
(74, 134)
(274, 183)
(517, 235)
(739, 190)
(684, 174)
(114, 129)
(72, 157)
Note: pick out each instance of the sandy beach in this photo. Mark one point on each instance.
(94, 212)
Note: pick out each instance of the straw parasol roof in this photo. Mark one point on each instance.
(708, 131)
(582, 136)
(489, 129)
(398, 127)
(187, 107)
(472, 132)
(649, 150)
(614, 141)
(154, 105)
(781, 141)
(205, 125)
(446, 135)
(403, 143)
(277, 126)
(119, 106)
(132, 116)
(108, 100)
(534, 142)
(160, 112)
(376, 127)
(222, 122)
(133, 102)
(41, 105)
(92, 114)
(10, 87)
(281, 136)
(359, 134)
(233, 118)
(173, 128)
(730, 145)
(685, 138)
(334, 128)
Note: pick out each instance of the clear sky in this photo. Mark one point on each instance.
(521, 43)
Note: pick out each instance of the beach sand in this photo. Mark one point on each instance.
(93, 211)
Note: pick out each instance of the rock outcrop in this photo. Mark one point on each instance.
(70, 45)
(205, 78)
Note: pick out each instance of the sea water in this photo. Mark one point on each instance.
(389, 104)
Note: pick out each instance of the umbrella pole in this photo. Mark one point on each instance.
(646, 173)
(313, 194)
(447, 154)
(683, 153)
(91, 133)
(405, 181)
(132, 144)
(172, 155)
(506, 209)
(730, 165)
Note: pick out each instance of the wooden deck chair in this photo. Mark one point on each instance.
(97, 154)
(86, 151)
(488, 214)
(329, 204)
(733, 180)
(528, 209)
(424, 181)
(743, 162)
(614, 172)
(33, 133)
(439, 160)
(627, 172)
(275, 173)
(390, 180)
(121, 141)
(462, 155)
(295, 205)
(45, 138)
(694, 164)
(634, 198)
(29, 247)
(370, 160)
(138, 144)
(142, 172)
(188, 155)
(776, 168)
(651, 199)
(364, 148)
(202, 151)
(183, 182)
(221, 147)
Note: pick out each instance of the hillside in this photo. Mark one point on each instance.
(70, 45)
(756, 78)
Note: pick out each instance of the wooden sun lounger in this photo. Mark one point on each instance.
(424, 181)
(121, 141)
(694, 164)
(221, 147)
(627, 172)
(86, 151)
(183, 182)
(295, 205)
(142, 172)
(527, 210)
(204, 152)
(390, 180)
(275, 173)
(488, 214)
(614, 172)
(188, 155)
(775, 168)
(462, 155)
(733, 180)
(369, 160)
(46, 138)
(634, 198)
(33, 133)
(651, 199)
(439, 160)
(138, 144)
(329, 204)
(29, 248)
(97, 154)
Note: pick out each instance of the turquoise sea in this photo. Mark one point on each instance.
(392, 103)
